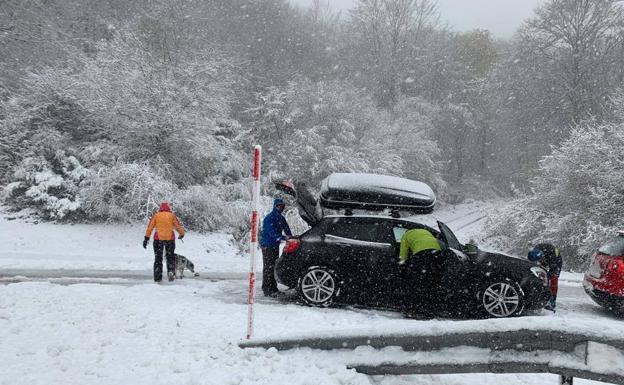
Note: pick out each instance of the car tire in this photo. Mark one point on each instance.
(318, 286)
(500, 298)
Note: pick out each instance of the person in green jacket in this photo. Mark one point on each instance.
(415, 241)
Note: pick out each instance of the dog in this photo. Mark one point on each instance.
(182, 263)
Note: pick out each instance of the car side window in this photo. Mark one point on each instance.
(398, 233)
(361, 231)
(399, 230)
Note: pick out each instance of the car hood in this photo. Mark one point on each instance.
(498, 259)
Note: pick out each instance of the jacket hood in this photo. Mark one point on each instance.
(278, 202)
(165, 206)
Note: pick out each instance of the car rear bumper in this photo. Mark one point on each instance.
(612, 302)
(286, 272)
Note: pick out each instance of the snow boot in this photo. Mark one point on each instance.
(552, 305)
(157, 275)
(171, 276)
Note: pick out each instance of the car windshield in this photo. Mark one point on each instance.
(451, 239)
(615, 247)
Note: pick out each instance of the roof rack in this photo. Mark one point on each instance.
(394, 213)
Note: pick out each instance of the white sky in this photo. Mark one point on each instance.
(501, 17)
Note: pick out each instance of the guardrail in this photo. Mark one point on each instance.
(563, 353)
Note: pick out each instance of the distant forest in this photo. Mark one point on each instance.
(109, 106)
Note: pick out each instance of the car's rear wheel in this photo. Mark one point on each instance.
(501, 298)
(318, 286)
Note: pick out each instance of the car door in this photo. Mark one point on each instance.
(422, 273)
(358, 245)
(385, 264)
(457, 269)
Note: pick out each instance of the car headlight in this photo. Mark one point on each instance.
(541, 274)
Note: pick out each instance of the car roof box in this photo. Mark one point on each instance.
(376, 193)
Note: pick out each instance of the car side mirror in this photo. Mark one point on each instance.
(471, 249)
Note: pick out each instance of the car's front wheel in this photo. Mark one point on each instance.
(501, 298)
(318, 286)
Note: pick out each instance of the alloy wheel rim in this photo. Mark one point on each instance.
(501, 299)
(318, 286)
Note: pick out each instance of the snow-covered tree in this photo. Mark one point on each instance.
(577, 198)
(385, 37)
(310, 130)
(144, 125)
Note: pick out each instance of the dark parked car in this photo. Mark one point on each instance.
(354, 259)
(604, 280)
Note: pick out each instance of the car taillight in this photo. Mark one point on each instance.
(291, 246)
(615, 265)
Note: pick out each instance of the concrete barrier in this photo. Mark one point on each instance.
(521, 340)
(498, 345)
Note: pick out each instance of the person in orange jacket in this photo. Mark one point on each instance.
(164, 221)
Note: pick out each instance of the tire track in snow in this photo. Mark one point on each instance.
(463, 216)
(480, 218)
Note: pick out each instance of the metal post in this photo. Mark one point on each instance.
(253, 247)
(565, 380)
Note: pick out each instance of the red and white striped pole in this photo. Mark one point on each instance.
(253, 247)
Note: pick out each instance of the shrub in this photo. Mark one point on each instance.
(124, 192)
(213, 208)
(49, 186)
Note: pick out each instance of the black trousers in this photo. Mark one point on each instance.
(269, 257)
(169, 247)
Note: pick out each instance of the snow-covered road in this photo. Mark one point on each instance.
(186, 333)
(77, 306)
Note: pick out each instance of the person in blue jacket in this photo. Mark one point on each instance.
(274, 230)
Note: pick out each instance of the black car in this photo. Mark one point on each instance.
(354, 259)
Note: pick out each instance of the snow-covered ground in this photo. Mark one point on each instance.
(105, 247)
(115, 330)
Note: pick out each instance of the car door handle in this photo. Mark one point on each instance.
(343, 244)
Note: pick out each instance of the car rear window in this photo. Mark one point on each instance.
(361, 231)
(615, 247)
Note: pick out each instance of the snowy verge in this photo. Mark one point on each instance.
(105, 247)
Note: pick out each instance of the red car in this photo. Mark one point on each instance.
(604, 280)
